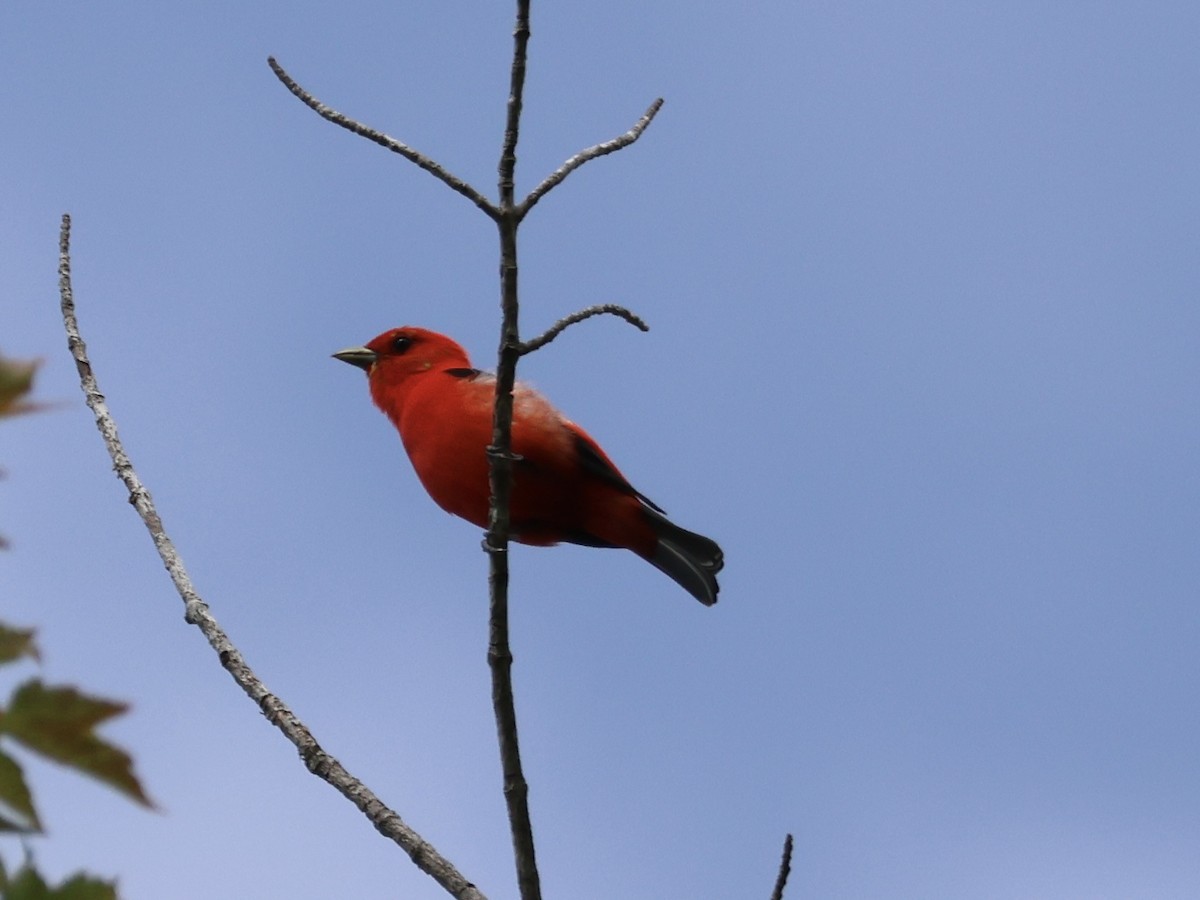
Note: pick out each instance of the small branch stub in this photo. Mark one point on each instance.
(567, 321)
(785, 869)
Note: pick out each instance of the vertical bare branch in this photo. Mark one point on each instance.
(507, 215)
(785, 869)
(196, 612)
(516, 789)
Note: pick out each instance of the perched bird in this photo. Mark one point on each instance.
(565, 488)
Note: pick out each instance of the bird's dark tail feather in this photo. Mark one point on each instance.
(691, 559)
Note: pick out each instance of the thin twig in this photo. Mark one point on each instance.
(383, 140)
(516, 100)
(785, 869)
(516, 789)
(556, 177)
(196, 612)
(564, 323)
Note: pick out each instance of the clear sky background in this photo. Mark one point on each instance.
(923, 286)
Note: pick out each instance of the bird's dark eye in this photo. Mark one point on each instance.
(400, 343)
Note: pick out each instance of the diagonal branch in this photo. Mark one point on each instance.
(567, 321)
(785, 869)
(383, 140)
(558, 175)
(196, 612)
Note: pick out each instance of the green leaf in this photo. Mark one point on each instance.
(16, 380)
(27, 884)
(59, 723)
(15, 643)
(16, 797)
(85, 887)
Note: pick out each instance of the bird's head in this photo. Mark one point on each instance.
(400, 353)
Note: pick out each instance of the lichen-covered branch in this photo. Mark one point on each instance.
(196, 612)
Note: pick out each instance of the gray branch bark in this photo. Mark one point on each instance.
(196, 612)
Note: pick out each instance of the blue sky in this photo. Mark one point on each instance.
(922, 284)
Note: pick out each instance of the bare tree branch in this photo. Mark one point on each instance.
(420, 159)
(558, 175)
(516, 789)
(196, 612)
(507, 215)
(564, 323)
(785, 869)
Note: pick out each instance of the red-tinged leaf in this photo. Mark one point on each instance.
(15, 643)
(59, 723)
(15, 796)
(16, 380)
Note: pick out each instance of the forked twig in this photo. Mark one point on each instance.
(196, 612)
(417, 158)
(556, 177)
(785, 869)
(567, 321)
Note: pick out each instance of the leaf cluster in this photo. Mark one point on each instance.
(58, 723)
(55, 722)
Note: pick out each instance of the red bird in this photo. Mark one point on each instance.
(565, 488)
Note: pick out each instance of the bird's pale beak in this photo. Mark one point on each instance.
(357, 356)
